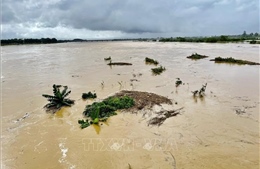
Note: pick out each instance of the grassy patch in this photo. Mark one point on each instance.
(100, 111)
(196, 56)
(233, 61)
(151, 61)
(89, 95)
(158, 70)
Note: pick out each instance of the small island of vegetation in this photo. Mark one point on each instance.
(233, 61)
(196, 56)
(151, 61)
(158, 70)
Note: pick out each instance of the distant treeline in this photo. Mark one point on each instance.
(215, 39)
(51, 40)
(28, 41)
(252, 38)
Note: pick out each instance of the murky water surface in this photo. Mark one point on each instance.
(207, 134)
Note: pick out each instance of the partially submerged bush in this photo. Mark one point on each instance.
(200, 92)
(178, 82)
(107, 59)
(235, 61)
(89, 95)
(151, 61)
(158, 70)
(58, 99)
(83, 124)
(254, 42)
(100, 111)
(196, 56)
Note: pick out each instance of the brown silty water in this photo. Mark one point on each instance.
(207, 134)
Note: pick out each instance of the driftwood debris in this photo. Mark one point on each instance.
(119, 64)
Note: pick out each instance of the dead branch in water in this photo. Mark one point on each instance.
(162, 116)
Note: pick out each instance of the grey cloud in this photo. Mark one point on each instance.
(133, 17)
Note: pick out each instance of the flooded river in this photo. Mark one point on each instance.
(218, 131)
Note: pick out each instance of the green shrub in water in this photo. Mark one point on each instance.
(100, 111)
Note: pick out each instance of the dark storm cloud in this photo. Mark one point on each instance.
(132, 17)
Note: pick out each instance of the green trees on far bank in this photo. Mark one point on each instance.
(215, 39)
(28, 41)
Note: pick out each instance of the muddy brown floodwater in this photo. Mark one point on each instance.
(218, 131)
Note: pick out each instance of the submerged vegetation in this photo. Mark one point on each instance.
(234, 61)
(133, 101)
(58, 99)
(178, 82)
(119, 64)
(107, 59)
(158, 70)
(196, 56)
(89, 95)
(254, 42)
(151, 61)
(100, 111)
(200, 92)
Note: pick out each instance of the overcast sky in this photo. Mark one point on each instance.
(103, 19)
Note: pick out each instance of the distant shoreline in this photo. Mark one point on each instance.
(252, 39)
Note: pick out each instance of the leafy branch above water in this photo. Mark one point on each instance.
(200, 92)
(58, 99)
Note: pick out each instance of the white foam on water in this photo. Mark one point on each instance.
(63, 151)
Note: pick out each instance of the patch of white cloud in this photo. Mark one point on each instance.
(61, 32)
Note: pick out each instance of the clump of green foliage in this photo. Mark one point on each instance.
(235, 61)
(158, 70)
(58, 99)
(84, 124)
(178, 82)
(196, 56)
(89, 95)
(100, 111)
(151, 61)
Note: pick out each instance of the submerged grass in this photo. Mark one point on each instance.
(233, 61)
(158, 70)
(151, 61)
(100, 111)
